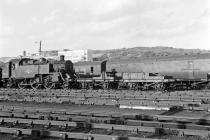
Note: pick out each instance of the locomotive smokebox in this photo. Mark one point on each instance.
(62, 57)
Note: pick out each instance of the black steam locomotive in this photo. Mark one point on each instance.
(26, 72)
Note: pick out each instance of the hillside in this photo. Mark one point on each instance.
(5, 59)
(144, 52)
(136, 52)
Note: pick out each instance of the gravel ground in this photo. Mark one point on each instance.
(80, 108)
(13, 137)
(97, 109)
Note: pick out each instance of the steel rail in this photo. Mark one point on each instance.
(49, 111)
(177, 131)
(65, 135)
(173, 121)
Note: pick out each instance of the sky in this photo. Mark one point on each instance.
(102, 24)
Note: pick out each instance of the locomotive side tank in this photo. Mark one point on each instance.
(29, 68)
(24, 71)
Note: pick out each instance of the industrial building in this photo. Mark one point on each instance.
(73, 55)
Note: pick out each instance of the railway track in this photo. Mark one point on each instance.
(99, 122)
(68, 135)
(99, 112)
(130, 125)
(141, 99)
(25, 112)
(162, 121)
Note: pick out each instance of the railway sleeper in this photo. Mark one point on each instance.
(158, 130)
(111, 120)
(84, 125)
(160, 118)
(66, 135)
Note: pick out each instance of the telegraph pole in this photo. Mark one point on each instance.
(40, 47)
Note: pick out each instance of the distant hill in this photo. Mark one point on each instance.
(6, 59)
(136, 52)
(145, 52)
(1, 64)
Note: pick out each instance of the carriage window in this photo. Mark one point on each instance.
(91, 69)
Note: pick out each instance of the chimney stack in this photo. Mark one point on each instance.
(24, 53)
(62, 58)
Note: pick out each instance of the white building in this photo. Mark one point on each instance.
(76, 55)
(73, 55)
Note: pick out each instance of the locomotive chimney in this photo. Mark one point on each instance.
(61, 57)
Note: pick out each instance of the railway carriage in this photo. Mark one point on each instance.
(188, 71)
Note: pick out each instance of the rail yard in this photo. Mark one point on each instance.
(104, 114)
(104, 70)
(164, 98)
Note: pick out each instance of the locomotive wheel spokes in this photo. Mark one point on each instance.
(105, 85)
(207, 86)
(9, 83)
(21, 85)
(34, 83)
(65, 85)
(135, 86)
(159, 87)
(90, 85)
(79, 85)
(48, 84)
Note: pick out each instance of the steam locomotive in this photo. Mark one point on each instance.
(33, 73)
(180, 73)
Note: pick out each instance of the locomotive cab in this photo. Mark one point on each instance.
(9, 67)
